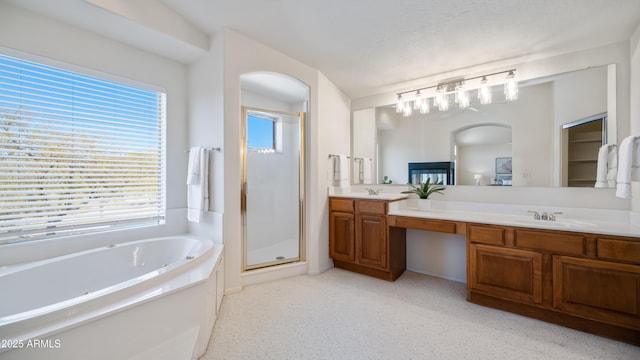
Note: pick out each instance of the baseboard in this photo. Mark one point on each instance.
(451, 278)
(259, 276)
(233, 290)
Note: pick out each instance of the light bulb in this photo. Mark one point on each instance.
(444, 103)
(511, 87)
(462, 96)
(484, 92)
(440, 94)
(417, 103)
(408, 109)
(424, 108)
(399, 104)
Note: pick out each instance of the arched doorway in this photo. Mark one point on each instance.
(273, 168)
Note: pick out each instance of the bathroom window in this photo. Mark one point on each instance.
(262, 132)
(78, 153)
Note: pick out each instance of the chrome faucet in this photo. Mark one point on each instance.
(545, 216)
(552, 217)
(373, 191)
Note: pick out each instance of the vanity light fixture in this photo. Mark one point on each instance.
(460, 91)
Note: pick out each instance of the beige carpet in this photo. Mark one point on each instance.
(343, 315)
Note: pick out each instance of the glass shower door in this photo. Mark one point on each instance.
(272, 187)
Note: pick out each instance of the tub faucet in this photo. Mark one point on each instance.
(544, 216)
(373, 191)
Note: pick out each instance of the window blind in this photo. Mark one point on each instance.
(77, 153)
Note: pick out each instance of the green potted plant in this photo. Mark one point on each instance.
(425, 190)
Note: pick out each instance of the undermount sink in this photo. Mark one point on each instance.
(564, 223)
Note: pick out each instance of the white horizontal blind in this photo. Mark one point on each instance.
(77, 153)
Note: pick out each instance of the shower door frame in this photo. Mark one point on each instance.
(301, 188)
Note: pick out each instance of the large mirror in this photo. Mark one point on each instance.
(549, 136)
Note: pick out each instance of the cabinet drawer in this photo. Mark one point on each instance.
(341, 205)
(426, 224)
(371, 207)
(618, 250)
(486, 235)
(551, 242)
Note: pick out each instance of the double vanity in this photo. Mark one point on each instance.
(580, 274)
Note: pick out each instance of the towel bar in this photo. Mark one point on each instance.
(209, 149)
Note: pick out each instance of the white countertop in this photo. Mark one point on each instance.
(564, 223)
(383, 196)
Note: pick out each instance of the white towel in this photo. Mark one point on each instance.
(628, 165)
(193, 171)
(366, 170)
(340, 167)
(197, 183)
(607, 168)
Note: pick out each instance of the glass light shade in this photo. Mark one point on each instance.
(424, 108)
(444, 103)
(511, 87)
(408, 109)
(463, 100)
(459, 92)
(484, 92)
(462, 96)
(399, 104)
(440, 94)
(417, 103)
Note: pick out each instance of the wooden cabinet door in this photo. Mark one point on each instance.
(597, 289)
(371, 241)
(506, 273)
(342, 236)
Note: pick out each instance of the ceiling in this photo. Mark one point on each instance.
(369, 46)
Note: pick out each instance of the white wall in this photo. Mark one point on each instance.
(479, 159)
(333, 137)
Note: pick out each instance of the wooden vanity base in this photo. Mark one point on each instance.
(631, 336)
(581, 280)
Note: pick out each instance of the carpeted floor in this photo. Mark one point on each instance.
(343, 315)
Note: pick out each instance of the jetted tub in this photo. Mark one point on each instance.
(147, 299)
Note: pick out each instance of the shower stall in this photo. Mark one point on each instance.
(272, 187)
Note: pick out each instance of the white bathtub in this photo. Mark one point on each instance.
(148, 299)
